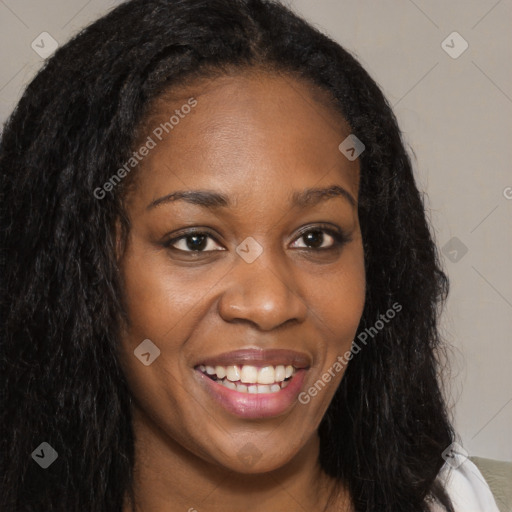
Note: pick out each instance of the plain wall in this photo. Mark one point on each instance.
(456, 115)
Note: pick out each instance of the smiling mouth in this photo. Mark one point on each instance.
(249, 378)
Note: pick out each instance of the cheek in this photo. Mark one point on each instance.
(338, 302)
(339, 297)
(158, 312)
(157, 301)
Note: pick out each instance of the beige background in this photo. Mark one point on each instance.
(456, 115)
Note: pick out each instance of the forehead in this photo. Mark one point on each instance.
(245, 128)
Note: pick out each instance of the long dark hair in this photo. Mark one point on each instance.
(75, 125)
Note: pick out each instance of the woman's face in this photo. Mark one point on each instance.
(262, 286)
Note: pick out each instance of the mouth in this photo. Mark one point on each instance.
(249, 378)
(253, 383)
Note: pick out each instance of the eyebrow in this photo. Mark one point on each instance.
(213, 200)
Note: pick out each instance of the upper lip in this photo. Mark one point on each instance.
(259, 357)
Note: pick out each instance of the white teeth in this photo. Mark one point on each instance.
(220, 371)
(251, 379)
(228, 384)
(253, 388)
(266, 375)
(280, 373)
(249, 374)
(233, 373)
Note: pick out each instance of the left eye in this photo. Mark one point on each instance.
(316, 237)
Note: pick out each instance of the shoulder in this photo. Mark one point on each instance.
(466, 487)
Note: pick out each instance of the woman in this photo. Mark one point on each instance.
(220, 291)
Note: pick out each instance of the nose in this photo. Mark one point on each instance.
(263, 293)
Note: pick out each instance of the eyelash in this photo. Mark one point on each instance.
(340, 238)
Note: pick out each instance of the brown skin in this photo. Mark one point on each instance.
(256, 137)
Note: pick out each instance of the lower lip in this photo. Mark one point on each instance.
(249, 405)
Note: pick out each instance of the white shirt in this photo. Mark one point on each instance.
(466, 487)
